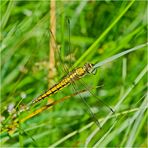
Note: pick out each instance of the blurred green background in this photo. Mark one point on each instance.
(25, 72)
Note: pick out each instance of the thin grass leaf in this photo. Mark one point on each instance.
(91, 50)
(119, 55)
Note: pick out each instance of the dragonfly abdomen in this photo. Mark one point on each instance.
(54, 89)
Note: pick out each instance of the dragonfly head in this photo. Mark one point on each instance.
(89, 68)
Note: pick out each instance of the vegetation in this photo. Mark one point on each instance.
(86, 31)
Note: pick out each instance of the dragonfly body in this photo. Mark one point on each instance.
(70, 78)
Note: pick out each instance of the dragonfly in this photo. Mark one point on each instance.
(71, 77)
(74, 75)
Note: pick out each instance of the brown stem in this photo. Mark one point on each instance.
(52, 45)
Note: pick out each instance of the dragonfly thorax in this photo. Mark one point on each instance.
(80, 72)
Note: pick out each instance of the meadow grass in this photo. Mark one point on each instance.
(98, 31)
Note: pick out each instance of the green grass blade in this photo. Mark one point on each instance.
(92, 48)
(119, 55)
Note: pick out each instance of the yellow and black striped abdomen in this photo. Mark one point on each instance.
(54, 89)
